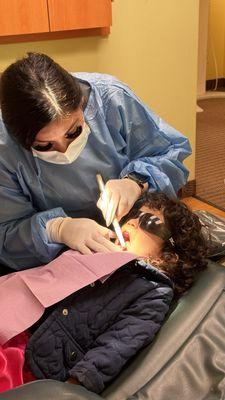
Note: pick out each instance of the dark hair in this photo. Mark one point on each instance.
(186, 256)
(33, 92)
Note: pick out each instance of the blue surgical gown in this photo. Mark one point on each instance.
(126, 136)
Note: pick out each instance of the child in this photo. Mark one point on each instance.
(90, 335)
(182, 249)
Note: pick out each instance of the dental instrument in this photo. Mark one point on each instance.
(115, 222)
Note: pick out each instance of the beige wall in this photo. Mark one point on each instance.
(152, 46)
(202, 45)
(216, 40)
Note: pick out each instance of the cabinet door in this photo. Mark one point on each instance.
(19, 17)
(79, 14)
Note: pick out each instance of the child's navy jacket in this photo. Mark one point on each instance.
(91, 334)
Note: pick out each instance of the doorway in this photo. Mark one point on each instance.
(210, 125)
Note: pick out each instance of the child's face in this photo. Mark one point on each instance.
(139, 241)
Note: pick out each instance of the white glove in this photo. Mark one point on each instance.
(118, 198)
(81, 234)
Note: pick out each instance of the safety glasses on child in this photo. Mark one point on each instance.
(149, 223)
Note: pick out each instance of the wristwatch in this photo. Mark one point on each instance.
(138, 178)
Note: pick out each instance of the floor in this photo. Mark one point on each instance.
(210, 157)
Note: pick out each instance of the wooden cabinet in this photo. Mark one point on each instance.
(23, 16)
(24, 20)
(79, 14)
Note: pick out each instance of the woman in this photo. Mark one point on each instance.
(59, 131)
(94, 332)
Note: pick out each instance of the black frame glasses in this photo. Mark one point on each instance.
(149, 223)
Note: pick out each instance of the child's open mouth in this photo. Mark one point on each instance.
(126, 236)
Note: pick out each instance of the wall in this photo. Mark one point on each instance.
(74, 54)
(216, 40)
(202, 45)
(152, 46)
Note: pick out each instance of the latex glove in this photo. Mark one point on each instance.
(118, 198)
(81, 234)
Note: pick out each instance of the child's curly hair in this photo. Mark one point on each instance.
(186, 256)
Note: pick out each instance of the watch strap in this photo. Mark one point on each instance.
(140, 181)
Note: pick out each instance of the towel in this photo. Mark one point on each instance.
(26, 294)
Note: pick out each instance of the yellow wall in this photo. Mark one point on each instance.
(74, 54)
(152, 47)
(216, 40)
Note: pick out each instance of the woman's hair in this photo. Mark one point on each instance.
(186, 256)
(35, 91)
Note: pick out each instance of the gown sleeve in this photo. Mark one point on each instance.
(23, 239)
(154, 149)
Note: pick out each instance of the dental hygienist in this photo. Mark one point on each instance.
(57, 132)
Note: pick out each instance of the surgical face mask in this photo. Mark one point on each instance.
(72, 152)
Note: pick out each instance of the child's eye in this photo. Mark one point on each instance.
(75, 134)
(47, 147)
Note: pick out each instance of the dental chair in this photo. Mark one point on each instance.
(185, 362)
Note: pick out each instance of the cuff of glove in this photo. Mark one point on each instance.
(53, 229)
(140, 181)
